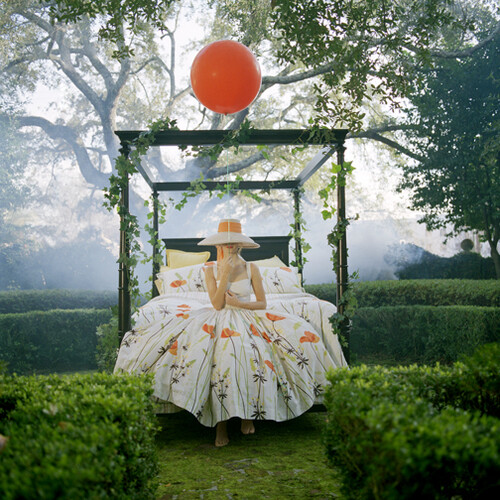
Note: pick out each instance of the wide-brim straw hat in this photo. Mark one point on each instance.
(229, 232)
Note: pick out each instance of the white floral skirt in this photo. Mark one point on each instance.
(231, 363)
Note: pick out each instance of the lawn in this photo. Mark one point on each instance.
(281, 460)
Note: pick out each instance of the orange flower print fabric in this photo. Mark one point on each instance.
(219, 364)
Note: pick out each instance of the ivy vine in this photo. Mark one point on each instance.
(348, 301)
(126, 165)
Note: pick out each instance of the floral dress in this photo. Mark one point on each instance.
(230, 363)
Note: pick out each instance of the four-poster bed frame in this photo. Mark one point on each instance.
(332, 142)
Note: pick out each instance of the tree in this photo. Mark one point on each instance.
(350, 54)
(457, 180)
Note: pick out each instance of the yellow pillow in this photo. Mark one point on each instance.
(272, 262)
(178, 258)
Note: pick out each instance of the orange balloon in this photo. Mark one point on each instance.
(225, 76)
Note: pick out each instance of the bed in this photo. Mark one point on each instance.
(183, 288)
(277, 358)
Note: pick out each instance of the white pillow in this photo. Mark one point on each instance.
(183, 279)
(281, 279)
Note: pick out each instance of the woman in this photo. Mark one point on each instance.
(234, 358)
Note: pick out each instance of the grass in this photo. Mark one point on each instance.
(280, 461)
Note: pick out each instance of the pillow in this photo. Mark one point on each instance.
(272, 262)
(280, 280)
(178, 258)
(183, 279)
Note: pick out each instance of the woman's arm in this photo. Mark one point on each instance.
(258, 290)
(217, 293)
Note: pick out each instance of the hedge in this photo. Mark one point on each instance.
(57, 340)
(423, 334)
(404, 433)
(77, 437)
(418, 292)
(468, 265)
(20, 301)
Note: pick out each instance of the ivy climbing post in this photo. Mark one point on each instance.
(341, 268)
(298, 231)
(156, 264)
(123, 270)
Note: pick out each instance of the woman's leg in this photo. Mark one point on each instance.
(221, 437)
(247, 427)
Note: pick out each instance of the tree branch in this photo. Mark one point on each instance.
(89, 173)
(369, 134)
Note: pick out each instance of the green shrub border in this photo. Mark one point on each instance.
(418, 292)
(57, 340)
(417, 432)
(77, 437)
(20, 301)
(423, 334)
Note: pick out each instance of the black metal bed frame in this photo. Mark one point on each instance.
(332, 142)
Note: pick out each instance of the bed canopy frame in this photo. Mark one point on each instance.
(332, 142)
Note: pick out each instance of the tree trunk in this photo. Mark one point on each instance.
(496, 257)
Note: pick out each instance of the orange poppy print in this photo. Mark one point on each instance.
(209, 329)
(254, 330)
(184, 307)
(178, 283)
(173, 348)
(274, 317)
(309, 337)
(266, 336)
(268, 363)
(287, 269)
(182, 315)
(227, 332)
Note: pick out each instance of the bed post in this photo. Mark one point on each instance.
(123, 270)
(297, 232)
(341, 268)
(156, 265)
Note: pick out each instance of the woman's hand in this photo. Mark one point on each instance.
(226, 266)
(231, 299)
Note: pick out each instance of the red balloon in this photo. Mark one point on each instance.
(225, 76)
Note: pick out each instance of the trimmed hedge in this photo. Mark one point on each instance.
(77, 437)
(57, 340)
(418, 292)
(20, 301)
(423, 334)
(416, 432)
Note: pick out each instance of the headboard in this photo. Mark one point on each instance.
(269, 246)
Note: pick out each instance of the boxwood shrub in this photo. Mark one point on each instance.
(422, 334)
(57, 340)
(19, 301)
(417, 432)
(421, 292)
(77, 437)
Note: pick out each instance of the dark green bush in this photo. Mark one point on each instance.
(107, 343)
(77, 437)
(423, 334)
(57, 340)
(20, 301)
(464, 265)
(472, 384)
(421, 292)
(414, 432)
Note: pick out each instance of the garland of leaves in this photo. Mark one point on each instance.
(348, 300)
(128, 161)
(298, 228)
(126, 165)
